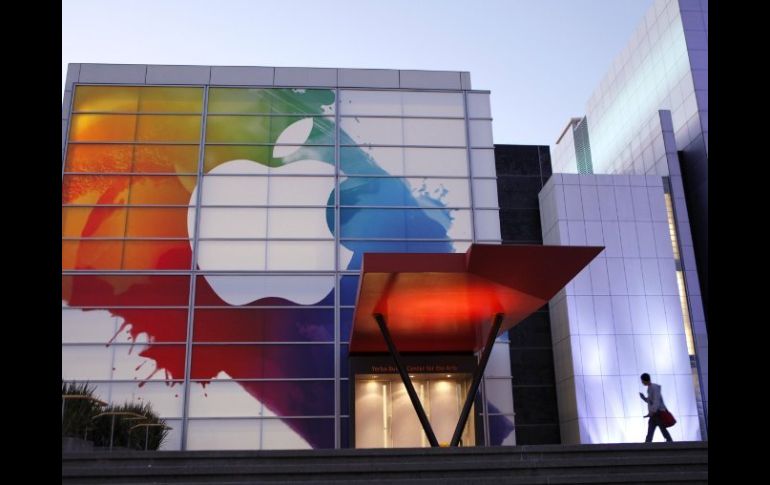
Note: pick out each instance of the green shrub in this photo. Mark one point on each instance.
(80, 420)
(78, 413)
(123, 435)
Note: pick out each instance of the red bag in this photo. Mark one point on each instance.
(666, 419)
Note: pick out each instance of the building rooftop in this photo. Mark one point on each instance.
(266, 76)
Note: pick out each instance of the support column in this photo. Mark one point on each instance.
(477, 375)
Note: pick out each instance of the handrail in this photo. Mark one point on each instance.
(119, 413)
(81, 396)
(151, 424)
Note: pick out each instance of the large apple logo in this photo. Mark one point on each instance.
(252, 188)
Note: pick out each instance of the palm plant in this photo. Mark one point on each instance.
(78, 408)
(129, 429)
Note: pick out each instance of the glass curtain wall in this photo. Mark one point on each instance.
(212, 239)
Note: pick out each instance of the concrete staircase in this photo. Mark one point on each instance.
(675, 463)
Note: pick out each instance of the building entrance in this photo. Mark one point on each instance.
(385, 416)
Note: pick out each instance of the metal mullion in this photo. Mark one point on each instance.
(401, 207)
(282, 239)
(123, 381)
(263, 379)
(337, 277)
(274, 307)
(268, 115)
(485, 411)
(177, 272)
(134, 142)
(265, 206)
(121, 344)
(69, 129)
(269, 175)
(130, 187)
(406, 117)
(162, 206)
(418, 90)
(150, 85)
(193, 273)
(129, 272)
(118, 238)
(415, 176)
(207, 206)
(146, 307)
(224, 418)
(134, 113)
(391, 239)
(256, 144)
(328, 342)
(469, 152)
(382, 145)
(129, 174)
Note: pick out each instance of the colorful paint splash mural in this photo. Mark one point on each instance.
(133, 204)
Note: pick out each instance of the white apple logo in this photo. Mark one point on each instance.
(251, 188)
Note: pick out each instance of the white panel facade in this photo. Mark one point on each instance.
(621, 316)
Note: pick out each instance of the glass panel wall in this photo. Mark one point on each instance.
(212, 238)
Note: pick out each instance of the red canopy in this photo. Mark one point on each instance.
(446, 302)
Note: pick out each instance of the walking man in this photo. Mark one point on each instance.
(654, 401)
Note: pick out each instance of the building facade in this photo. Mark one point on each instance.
(522, 171)
(649, 117)
(213, 224)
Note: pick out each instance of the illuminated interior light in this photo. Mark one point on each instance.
(685, 313)
(680, 277)
(672, 226)
(385, 416)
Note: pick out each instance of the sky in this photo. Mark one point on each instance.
(541, 59)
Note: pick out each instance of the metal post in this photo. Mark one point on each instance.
(63, 402)
(112, 431)
(146, 437)
(407, 381)
(477, 375)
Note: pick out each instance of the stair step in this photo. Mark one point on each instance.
(551, 464)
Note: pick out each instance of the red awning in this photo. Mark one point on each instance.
(446, 302)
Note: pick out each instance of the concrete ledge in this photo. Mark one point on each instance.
(305, 76)
(367, 78)
(405, 452)
(267, 76)
(628, 463)
(430, 79)
(113, 73)
(178, 74)
(242, 76)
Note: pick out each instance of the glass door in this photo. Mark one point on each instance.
(385, 417)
